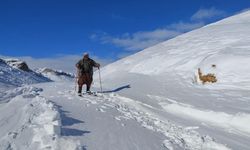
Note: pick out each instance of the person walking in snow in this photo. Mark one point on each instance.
(85, 72)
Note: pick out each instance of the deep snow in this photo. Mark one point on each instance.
(164, 76)
(29, 121)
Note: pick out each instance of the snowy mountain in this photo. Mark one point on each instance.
(18, 64)
(14, 73)
(55, 75)
(153, 100)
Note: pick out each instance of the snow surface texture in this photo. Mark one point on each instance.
(27, 120)
(30, 122)
(56, 75)
(10, 76)
(117, 129)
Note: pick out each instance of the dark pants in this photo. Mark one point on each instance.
(84, 78)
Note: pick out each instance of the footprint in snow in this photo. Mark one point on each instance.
(69, 98)
(192, 128)
(118, 118)
(59, 92)
(104, 107)
(100, 109)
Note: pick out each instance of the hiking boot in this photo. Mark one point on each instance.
(89, 92)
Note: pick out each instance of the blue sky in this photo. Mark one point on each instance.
(108, 29)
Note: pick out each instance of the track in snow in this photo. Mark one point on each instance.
(123, 109)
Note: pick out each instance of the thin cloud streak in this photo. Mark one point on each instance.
(203, 14)
(143, 39)
(133, 42)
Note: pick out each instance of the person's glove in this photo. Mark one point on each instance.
(98, 66)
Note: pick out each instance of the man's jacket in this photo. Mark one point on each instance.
(86, 66)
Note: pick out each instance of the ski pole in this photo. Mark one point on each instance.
(76, 78)
(100, 79)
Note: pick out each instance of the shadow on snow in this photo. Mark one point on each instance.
(73, 132)
(69, 121)
(117, 89)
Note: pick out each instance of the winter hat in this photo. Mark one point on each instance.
(85, 54)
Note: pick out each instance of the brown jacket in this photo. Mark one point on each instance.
(86, 66)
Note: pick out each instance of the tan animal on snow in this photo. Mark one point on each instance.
(207, 78)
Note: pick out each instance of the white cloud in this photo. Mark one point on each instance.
(61, 62)
(186, 26)
(65, 63)
(140, 40)
(143, 39)
(203, 14)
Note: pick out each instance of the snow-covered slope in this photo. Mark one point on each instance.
(18, 64)
(29, 122)
(56, 75)
(164, 78)
(12, 76)
(224, 44)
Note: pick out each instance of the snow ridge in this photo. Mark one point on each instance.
(233, 123)
(13, 77)
(32, 122)
(56, 75)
